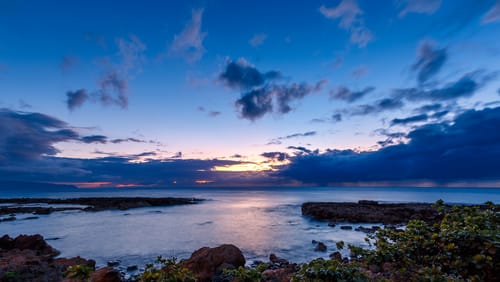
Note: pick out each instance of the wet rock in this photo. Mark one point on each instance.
(314, 241)
(35, 243)
(205, 261)
(113, 263)
(277, 261)
(106, 274)
(283, 274)
(346, 227)
(370, 212)
(332, 224)
(320, 247)
(367, 230)
(10, 218)
(336, 256)
(30, 217)
(131, 268)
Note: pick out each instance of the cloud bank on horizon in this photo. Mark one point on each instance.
(357, 94)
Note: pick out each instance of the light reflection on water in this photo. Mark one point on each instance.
(260, 222)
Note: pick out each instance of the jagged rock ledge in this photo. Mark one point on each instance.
(89, 204)
(370, 212)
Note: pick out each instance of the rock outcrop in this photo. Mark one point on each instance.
(206, 262)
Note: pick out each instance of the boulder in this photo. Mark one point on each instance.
(277, 260)
(205, 261)
(106, 274)
(35, 243)
(283, 274)
(320, 247)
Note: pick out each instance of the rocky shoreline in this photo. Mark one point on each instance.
(370, 212)
(25, 205)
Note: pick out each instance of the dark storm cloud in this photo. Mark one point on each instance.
(465, 86)
(429, 61)
(26, 136)
(276, 156)
(76, 99)
(345, 94)
(467, 149)
(242, 75)
(260, 94)
(382, 105)
(94, 139)
(412, 119)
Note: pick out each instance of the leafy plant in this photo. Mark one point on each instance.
(80, 271)
(166, 270)
(243, 274)
(320, 270)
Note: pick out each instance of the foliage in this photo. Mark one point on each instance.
(80, 271)
(166, 270)
(320, 270)
(464, 245)
(243, 274)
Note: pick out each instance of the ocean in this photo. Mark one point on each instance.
(260, 221)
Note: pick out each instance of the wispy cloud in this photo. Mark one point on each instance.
(418, 6)
(188, 44)
(345, 94)
(493, 14)
(429, 60)
(350, 18)
(257, 39)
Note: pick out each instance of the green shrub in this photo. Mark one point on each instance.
(166, 270)
(464, 245)
(80, 271)
(243, 274)
(320, 270)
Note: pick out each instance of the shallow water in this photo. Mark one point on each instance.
(259, 221)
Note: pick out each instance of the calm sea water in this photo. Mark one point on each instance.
(259, 221)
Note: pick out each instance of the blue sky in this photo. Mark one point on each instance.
(233, 92)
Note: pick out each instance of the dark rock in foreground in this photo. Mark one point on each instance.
(206, 262)
(369, 212)
(90, 204)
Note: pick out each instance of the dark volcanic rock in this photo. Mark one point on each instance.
(320, 247)
(346, 227)
(30, 258)
(205, 261)
(370, 211)
(106, 274)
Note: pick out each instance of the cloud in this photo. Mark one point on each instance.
(350, 18)
(241, 74)
(188, 44)
(28, 136)
(135, 140)
(382, 105)
(68, 62)
(209, 113)
(257, 39)
(113, 82)
(260, 92)
(360, 71)
(94, 139)
(412, 119)
(277, 141)
(76, 99)
(419, 6)
(258, 102)
(429, 108)
(467, 149)
(275, 156)
(464, 87)
(493, 14)
(429, 61)
(345, 94)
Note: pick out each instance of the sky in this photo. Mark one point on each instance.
(250, 93)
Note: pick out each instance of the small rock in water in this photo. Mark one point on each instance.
(346, 227)
(314, 242)
(277, 260)
(30, 217)
(332, 224)
(113, 263)
(10, 218)
(132, 268)
(320, 247)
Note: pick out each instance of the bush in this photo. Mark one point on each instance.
(80, 271)
(320, 270)
(464, 245)
(243, 274)
(166, 270)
